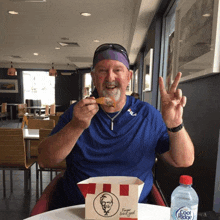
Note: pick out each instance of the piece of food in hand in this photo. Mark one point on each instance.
(110, 102)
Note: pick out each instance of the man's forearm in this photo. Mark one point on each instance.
(181, 148)
(55, 148)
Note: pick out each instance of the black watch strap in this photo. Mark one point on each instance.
(178, 128)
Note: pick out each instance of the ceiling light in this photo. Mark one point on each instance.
(96, 41)
(86, 14)
(12, 71)
(13, 12)
(68, 44)
(57, 48)
(36, 54)
(206, 15)
(63, 44)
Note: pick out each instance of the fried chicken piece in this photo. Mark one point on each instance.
(110, 102)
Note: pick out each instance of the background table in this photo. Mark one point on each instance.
(145, 212)
(30, 134)
(35, 108)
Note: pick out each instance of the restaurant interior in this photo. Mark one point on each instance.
(58, 39)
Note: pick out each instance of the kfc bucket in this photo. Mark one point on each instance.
(113, 198)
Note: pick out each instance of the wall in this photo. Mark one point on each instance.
(216, 203)
(12, 97)
(67, 88)
(202, 121)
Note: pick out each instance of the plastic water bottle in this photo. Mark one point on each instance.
(184, 200)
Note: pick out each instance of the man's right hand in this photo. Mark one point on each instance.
(83, 112)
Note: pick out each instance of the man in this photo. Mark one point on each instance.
(135, 94)
(120, 140)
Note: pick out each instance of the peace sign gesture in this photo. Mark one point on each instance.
(172, 103)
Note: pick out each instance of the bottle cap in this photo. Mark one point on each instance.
(186, 180)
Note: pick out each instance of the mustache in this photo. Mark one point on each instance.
(111, 83)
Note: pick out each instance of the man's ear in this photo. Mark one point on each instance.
(93, 77)
(130, 75)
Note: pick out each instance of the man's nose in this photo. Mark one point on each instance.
(110, 76)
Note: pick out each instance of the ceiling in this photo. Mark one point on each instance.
(40, 26)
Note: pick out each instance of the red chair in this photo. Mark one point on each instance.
(156, 196)
(42, 204)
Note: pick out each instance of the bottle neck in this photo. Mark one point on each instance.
(186, 186)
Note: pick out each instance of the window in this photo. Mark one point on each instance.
(168, 32)
(39, 85)
(87, 88)
(136, 81)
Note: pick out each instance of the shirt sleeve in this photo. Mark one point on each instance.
(64, 119)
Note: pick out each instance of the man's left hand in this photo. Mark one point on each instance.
(172, 103)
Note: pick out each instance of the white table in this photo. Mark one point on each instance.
(30, 134)
(145, 212)
(36, 108)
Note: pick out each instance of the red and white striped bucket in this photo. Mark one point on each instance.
(114, 198)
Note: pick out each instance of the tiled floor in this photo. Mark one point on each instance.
(17, 205)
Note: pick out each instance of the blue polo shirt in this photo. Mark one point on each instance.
(127, 150)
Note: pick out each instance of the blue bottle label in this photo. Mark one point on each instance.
(185, 213)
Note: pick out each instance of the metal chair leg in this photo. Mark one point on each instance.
(41, 182)
(37, 182)
(25, 183)
(51, 175)
(29, 179)
(11, 180)
(4, 187)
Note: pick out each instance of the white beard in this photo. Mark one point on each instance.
(116, 94)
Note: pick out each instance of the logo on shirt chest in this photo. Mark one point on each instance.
(131, 112)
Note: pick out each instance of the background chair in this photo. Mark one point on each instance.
(55, 118)
(23, 114)
(24, 121)
(38, 124)
(29, 103)
(22, 111)
(4, 113)
(59, 113)
(46, 115)
(156, 197)
(44, 133)
(53, 109)
(13, 155)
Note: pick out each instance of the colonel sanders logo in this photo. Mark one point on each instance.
(106, 201)
(106, 204)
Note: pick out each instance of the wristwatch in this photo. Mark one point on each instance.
(178, 128)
